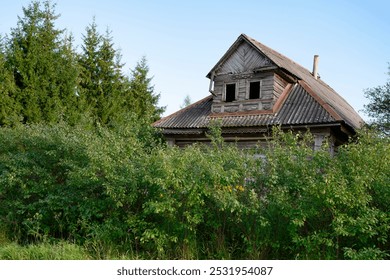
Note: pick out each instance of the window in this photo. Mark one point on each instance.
(230, 92)
(254, 90)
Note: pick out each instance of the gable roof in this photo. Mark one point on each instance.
(309, 101)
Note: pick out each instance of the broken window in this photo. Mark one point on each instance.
(230, 92)
(254, 90)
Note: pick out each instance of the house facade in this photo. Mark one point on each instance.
(254, 88)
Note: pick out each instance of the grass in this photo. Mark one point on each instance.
(60, 250)
(43, 251)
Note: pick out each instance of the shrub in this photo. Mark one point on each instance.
(60, 181)
(119, 192)
(324, 207)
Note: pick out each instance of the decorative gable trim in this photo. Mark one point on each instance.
(242, 51)
(243, 60)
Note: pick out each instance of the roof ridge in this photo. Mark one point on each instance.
(277, 53)
(294, 62)
(326, 93)
(331, 103)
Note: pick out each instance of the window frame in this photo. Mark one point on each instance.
(225, 92)
(260, 81)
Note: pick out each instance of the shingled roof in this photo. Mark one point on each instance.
(310, 101)
(300, 108)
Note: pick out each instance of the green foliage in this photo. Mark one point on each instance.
(42, 62)
(102, 84)
(9, 109)
(186, 102)
(44, 80)
(379, 106)
(190, 194)
(142, 100)
(44, 251)
(119, 192)
(71, 190)
(324, 207)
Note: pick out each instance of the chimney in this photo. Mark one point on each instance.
(315, 66)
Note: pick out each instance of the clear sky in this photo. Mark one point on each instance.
(182, 40)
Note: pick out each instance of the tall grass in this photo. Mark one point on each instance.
(43, 251)
(61, 250)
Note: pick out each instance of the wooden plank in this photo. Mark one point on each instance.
(244, 58)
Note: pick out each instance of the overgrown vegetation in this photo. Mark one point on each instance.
(43, 251)
(83, 175)
(115, 196)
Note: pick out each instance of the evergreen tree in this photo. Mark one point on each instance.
(42, 61)
(142, 100)
(44, 80)
(8, 107)
(101, 80)
(88, 65)
(186, 102)
(69, 73)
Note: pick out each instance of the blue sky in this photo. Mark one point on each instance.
(182, 40)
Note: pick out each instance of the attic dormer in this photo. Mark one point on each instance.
(245, 80)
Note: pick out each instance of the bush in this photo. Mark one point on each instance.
(324, 207)
(59, 181)
(120, 193)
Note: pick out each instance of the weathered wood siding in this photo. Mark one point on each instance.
(279, 85)
(249, 139)
(244, 66)
(272, 87)
(243, 60)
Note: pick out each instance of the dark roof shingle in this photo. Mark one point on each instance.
(299, 108)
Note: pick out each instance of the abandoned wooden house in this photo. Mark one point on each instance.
(254, 88)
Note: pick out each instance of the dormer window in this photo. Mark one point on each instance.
(230, 92)
(255, 90)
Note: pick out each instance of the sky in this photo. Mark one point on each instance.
(183, 40)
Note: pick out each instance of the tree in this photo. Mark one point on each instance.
(42, 62)
(102, 83)
(379, 106)
(8, 108)
(186, 102)
(142, 100)
(43, 79)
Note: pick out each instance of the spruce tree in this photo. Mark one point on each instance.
(186, 102)
(102, 82)
(9, 109)
(89, 69)
(43, 65)
(142, 100)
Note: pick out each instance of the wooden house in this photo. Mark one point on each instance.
(253, 88)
